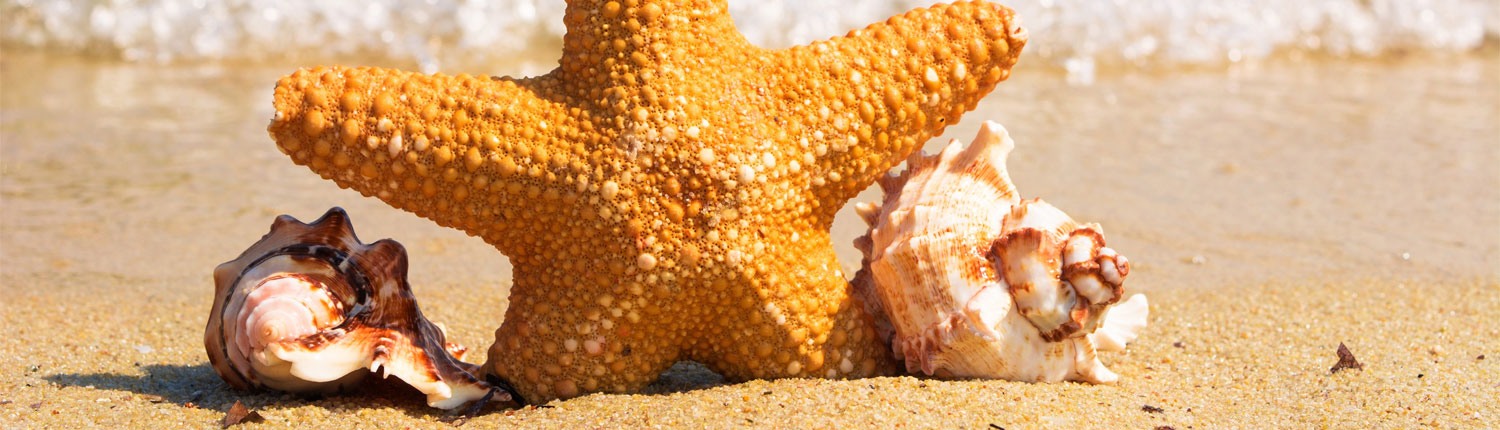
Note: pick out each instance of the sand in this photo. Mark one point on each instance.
(1272, 211)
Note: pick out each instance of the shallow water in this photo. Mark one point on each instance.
(1277, 170)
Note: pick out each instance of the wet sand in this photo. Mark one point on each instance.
(1271, 211)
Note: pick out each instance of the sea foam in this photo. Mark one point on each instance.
(1075, 34)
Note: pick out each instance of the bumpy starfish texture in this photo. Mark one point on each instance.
(666, 193)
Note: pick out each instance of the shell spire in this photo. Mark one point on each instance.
(975, 282)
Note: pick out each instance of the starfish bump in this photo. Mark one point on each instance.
(666, 193)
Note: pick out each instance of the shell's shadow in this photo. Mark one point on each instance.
(684, 376)
(198, 386)
(176, 383)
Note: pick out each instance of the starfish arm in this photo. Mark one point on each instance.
(485, 155)
(891, 86)
(805, 323)
(562, 337)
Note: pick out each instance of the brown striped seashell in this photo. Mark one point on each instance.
(975, 282)
(311, 309)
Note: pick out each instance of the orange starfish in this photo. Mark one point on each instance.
(666, 193)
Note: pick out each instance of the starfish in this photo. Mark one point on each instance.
(666, 193)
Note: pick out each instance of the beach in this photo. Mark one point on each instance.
(1271, 210)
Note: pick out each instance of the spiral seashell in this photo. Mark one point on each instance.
(311, 309)
(975, 282)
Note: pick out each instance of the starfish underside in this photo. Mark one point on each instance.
(666, 193)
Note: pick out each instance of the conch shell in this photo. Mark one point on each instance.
(976, 282)
(311, 309)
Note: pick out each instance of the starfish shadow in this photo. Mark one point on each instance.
(197, 386)
(685, 376)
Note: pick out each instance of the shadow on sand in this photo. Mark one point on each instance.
(197, 386)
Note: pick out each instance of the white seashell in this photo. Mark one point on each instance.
(311, 309)
(976, 282)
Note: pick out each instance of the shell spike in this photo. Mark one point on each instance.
(386, 259)
(1122, 324)
(889, 183)
(867, 211)
(1088, 368)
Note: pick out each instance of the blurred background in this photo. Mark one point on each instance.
(1078, 35)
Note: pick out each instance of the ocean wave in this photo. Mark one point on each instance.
(1076, 34)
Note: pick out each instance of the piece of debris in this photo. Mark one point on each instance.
(1152, 409)
(1346, 360)
(993, 426)
(455, 420)
(1480, 357)
(35, 406)
(1165, 428)
(1177, 344)
(239, 414)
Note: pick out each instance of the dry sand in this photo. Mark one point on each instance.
(1272, 211)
